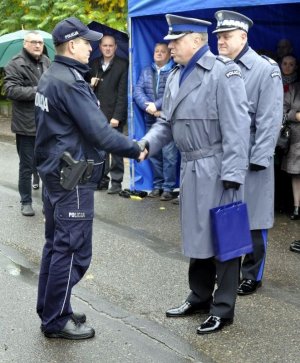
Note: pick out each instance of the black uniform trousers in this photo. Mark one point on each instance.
(254, 263)
(66, 255)
(204, 274)
(114, 165)
(25, 147)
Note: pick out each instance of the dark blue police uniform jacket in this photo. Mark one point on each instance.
(68, 118)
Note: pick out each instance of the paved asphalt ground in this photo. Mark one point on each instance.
(137, 273)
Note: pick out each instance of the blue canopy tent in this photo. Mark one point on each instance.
(273, 20)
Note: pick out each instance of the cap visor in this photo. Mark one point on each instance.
(174, 36)
(92, 35)
(224, 30)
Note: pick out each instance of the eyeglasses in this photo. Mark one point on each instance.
(35, 42)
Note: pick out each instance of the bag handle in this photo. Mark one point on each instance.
(234, 194)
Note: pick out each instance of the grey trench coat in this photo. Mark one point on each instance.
(208, 119)
(265, 96)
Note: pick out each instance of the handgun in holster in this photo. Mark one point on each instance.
(74, 172)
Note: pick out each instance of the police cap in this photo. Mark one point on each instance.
(230, 20)
(72, 28)
(180, 26)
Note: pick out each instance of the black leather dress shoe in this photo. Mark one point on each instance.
(248, 287)
(166, 196)
(115, 189)
(155, 193)
(213, 324)
(79, 317)
(73, 331)
(103, 186)
(187, 309)
(76, 317)
(295, 246)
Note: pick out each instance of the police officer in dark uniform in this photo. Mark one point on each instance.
(71, 133)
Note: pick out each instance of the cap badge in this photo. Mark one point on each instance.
(220, 16)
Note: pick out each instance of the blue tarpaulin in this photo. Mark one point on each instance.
(273, 20)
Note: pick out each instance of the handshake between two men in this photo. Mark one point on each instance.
(144, 147)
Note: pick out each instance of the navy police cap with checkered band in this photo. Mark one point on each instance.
(230, 20)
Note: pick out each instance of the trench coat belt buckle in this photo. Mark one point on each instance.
(201, 153)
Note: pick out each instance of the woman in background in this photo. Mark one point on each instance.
(283, 187)
(289, 71)
(291, 161)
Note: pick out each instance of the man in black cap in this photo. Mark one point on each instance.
(264, 88)
(71, 133)
(205, 111)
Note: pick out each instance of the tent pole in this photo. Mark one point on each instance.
(130, 105)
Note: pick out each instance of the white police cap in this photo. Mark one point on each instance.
(230, 20)
(180, 26)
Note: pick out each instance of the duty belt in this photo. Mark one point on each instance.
(201, 153)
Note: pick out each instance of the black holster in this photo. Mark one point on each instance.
(74, 172)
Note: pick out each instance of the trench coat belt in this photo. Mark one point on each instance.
(201, 153)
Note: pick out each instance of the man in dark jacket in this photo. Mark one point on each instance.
(70, 125)
(20, 83)
(109, 80)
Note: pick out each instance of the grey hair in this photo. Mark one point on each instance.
(34, 32)
(203, 36)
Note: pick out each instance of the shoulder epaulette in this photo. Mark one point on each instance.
(224, 60)
(270, 60)
(76, 74)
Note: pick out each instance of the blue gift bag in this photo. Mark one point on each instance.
(231, 231)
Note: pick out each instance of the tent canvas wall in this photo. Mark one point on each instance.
(273, 20)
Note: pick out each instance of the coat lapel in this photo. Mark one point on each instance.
(193, 80)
